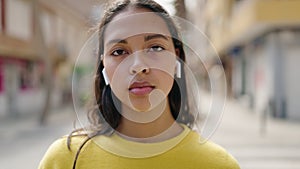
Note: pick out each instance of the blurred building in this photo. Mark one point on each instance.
(258, 42)
(23, 63)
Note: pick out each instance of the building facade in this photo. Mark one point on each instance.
(258, 42)
(37, 37)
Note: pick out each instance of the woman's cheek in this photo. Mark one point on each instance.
(110, 67)
(119, 80)
(167, 82)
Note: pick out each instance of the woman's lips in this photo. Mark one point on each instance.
(141, 88)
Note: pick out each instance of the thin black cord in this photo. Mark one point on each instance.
(77, 153)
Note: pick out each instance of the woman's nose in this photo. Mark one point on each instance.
(139, 65)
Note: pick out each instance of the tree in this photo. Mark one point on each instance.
(43, 53)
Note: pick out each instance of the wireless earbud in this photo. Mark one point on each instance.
(105, 77)
(178, 69)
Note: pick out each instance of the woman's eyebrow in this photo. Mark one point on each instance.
(149, 37)
(117, 41)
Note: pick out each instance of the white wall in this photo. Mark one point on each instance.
(19, 19)
(292, 78)
(292, 74)
(250, 71)
(236, 75)
(48, 26)
(3, 104)
(11, 87)
(30, 101)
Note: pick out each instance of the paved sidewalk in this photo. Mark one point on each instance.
(23, 141)
(241, 134)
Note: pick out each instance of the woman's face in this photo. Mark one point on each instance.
(139, 58)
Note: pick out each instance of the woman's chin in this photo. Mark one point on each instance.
(141, 106)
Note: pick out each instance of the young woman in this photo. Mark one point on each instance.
(140, 117)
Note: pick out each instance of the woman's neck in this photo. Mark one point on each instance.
(161, 128)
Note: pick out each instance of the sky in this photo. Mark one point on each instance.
(168, 5)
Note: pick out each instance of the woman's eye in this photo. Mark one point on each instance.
(156, 49)
(118, 52)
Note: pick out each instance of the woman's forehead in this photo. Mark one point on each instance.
(135, 22)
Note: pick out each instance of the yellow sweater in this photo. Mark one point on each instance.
(185, 151)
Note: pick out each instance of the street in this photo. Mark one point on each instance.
(241, 134)
(23, 143)
(55, 52)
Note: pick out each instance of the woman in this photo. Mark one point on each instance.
(141, 117)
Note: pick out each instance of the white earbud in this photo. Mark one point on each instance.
(178, 69)
(105, 77)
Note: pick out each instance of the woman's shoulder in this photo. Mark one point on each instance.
(209, 153)
(59, 155)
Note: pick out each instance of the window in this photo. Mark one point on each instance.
(18, 19)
